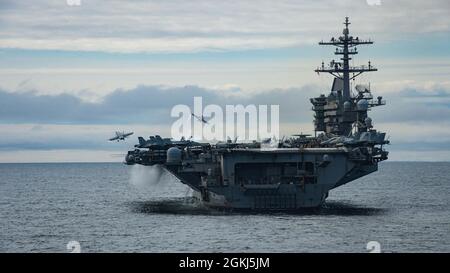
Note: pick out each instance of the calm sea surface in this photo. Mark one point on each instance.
(110, 207)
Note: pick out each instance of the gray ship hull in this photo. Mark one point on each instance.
(275, 179)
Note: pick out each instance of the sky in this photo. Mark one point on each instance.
(71, 75)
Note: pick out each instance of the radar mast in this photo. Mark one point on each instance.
(345, 46)
(336, 113)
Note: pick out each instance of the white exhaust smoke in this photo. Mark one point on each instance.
(144, 176)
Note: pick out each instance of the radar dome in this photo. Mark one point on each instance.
(362, 105)
(347, 106)
(173, 155)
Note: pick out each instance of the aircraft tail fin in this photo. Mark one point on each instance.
(141, 140)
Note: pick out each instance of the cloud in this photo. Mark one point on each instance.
(143, 104)
(30, 121)
(153, 45)
(415, 107)
(152, 105)
(205, 25)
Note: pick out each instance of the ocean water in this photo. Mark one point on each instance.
(110, 207)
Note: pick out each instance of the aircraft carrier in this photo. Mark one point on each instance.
(298, 172)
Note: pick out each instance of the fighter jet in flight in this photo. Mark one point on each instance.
(201, 119)
(120, 136)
